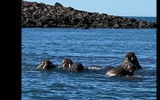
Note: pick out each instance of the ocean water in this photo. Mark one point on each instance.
(92, 47)
(149, 19)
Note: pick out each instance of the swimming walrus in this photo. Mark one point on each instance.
(67, 64)
(129, 65)
(45, 64)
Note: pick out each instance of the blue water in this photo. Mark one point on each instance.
(92, 47)
(149, 19)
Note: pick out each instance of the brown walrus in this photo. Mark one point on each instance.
(45, 64)
(67, 64)
(76, 67)
(129, 65)
(130, 56)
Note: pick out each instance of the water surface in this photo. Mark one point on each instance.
(92, 47)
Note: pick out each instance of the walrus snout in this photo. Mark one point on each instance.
(67, 63)
(130, 67)
(45, 64)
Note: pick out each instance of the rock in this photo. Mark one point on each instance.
(45, 26)
(141, 24)
(115, 26)
(58, 5)
(42, 15)
(86, 27)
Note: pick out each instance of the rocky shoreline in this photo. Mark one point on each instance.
(35, 14)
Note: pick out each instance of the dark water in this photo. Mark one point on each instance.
(92, 47)
(149, 19)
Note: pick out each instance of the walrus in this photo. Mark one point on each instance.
(129, 65)
(76, 67)
(45, 64)
(130, 56)
(67, 64)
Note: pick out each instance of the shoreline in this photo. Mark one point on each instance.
(40, 15)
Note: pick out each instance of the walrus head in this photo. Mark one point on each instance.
(45, 64)
(67, 63)
(130, 57)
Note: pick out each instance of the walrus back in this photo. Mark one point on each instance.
(118, 71)
(77, 67)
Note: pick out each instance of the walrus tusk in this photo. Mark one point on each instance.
(44, 65)
(39, 66)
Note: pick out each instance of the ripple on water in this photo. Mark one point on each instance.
(93, 47)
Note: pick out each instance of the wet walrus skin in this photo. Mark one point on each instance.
(129, 65)
(45, 64)
(67, 64)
